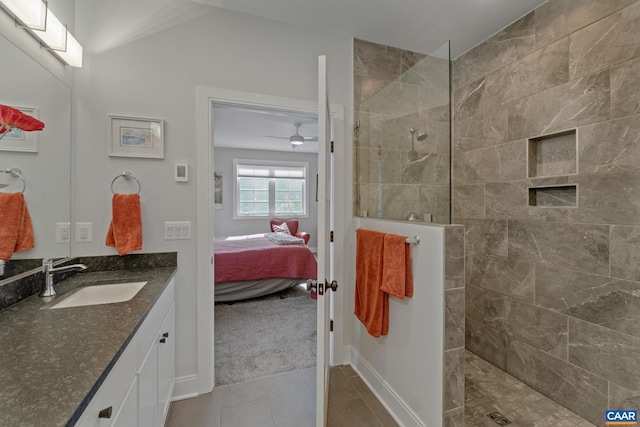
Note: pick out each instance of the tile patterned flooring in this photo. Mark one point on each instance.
(489, 389)
(281, 401)
(288, 400)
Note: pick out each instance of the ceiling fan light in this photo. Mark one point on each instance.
(296, 140)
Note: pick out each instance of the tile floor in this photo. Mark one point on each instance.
(289, 400)
(281, 401)
(489, 389)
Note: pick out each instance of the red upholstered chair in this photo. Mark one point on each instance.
(292, 224)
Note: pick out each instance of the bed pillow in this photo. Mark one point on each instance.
(282, 228)
(292, 224)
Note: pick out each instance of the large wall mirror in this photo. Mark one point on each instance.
(44, 158)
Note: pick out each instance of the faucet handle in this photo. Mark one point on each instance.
(46, 263)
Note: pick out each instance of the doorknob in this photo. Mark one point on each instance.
(311, 284)
(333, 286)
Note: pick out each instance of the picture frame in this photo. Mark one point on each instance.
(136, 137)
(217, 190)
(19, 140)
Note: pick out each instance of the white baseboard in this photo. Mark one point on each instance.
(397, 408)
(185, 388)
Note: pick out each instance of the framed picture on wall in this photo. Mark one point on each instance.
(19, 140)
(136, 137)
(217, 190)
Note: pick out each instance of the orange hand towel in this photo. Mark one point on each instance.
(16, 231)
(125, 230)
(371, 304)
(397, 280)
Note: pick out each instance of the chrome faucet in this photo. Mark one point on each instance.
(49, 271)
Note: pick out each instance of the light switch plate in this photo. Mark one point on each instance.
(177, 230)
(182, 172)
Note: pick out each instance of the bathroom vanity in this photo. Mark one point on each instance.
(90, 365)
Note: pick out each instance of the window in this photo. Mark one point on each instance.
(270, 189)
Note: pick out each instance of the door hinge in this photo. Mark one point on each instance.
(331, 325)
(332, 146)
(331, 236)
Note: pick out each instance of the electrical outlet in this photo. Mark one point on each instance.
(177, 230)
(84, 232)
(63, 232)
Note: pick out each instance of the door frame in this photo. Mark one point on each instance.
(206, 97)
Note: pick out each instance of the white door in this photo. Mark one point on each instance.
(325, 246)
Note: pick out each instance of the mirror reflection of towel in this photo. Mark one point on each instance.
(16, 231)
(125, 230)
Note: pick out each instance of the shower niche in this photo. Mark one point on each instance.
(553, 156)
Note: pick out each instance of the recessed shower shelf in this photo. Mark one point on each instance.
(554, 196)
(552, 155)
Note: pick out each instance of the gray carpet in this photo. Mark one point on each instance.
(264, 336)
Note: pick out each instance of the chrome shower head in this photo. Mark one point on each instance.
(421, 136)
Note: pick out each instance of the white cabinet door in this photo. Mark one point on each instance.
(166, 357)
(148, 389)
(128, 415)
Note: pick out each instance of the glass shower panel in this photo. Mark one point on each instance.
(402, 133)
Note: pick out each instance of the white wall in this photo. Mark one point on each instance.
(225, 225)
(155, 76)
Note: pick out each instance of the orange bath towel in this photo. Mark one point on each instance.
(371, 303)
(16, 231)
(397, 280)
(125, 230)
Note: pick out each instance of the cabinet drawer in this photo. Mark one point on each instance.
(149, 328)
(112, 391)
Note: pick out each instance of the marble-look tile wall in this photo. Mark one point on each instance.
(394, 91)
(553, 293)
(454, 325)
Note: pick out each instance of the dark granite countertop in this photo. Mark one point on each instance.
(52, 362)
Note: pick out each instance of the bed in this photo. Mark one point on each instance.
(252, 265)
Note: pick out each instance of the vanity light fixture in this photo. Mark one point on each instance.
(31, 13)
(55, 34)
(37, 18)
(73, 54)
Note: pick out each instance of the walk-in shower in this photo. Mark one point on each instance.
(402, 134)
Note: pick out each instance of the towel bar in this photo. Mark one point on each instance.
(126, 176)
(415, 240)
(15, 172)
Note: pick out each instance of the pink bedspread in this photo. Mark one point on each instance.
(255, 257)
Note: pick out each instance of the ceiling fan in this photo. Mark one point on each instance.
(296, 139)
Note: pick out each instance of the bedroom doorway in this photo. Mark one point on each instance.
(265, 164)
(206, 97)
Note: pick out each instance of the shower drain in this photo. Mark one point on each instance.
(498, 418)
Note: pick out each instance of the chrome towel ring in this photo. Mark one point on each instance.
(16, 173)
(127, 176)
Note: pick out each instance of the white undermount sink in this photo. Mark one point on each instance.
(101, 294)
